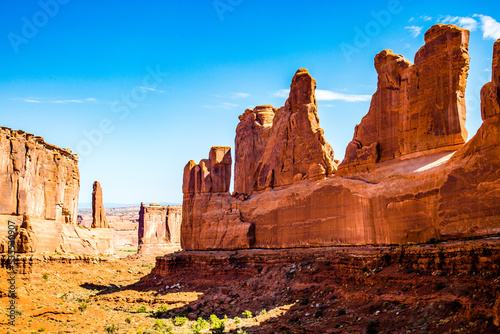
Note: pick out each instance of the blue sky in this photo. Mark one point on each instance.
(138, 89)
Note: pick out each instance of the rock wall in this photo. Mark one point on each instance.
(39, 186)
(37, 178)
(98, 213)
(159, 228)
(410, 180)
(417, 109)
(277, 147)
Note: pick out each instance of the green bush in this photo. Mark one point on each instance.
(180, 321)
(237, 320)
(218, 325)
(263, 312)
(83, 306)
(142, 309)
(111, 328)
(45, 277)
(199, 325)
(128, 320)
(247, 314)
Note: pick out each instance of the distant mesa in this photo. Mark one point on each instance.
(159, 229)
(407, 177)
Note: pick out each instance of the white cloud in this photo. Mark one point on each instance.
(411, 20)
(234, 96)
(282, 93)
(465, 22)
(426, 18)
(489, 26)
(152, 89)
(414, 30)
(45, 100)
(239, 95)
(326, 95)
(225, 105)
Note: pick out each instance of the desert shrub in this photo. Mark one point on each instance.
(180, 321)
(218, 325)
(237, 320)
(128, 320)
(247, 314)
(159, 312)
(45, 277)
(83, 306)
(111, 328)
(199, 325)
(263, 312)
(142, 309)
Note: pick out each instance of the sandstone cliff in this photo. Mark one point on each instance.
(39, 186)
(98, 213)
(37, 178)
(159, 228)
(407, 176)
(277, 147)
(417, 109)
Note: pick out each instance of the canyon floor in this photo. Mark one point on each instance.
(304, 295)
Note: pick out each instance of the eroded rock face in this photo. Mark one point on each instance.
(407, 177)
(98, 213)
(208, 220)
(39, 186)
(417, 109)
(277, 147)
(159, 228)
(37, 178)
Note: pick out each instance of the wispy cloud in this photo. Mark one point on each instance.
(426, 18)
(414, 30)
(46, 100)
(489, 26)
(225, 106)
(327, 95)
(282, 93)
(152, 89)
(234, 96)
(465, 22)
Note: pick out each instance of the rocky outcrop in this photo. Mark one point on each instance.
(159, 228)
(39, 186)
(98, 213)
(417, 109)
(407, 176)
(221, 226)
(277, 147)
(37, 178)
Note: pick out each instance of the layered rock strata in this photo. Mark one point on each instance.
(407, 177)
(277, 147)
(98, 213)
(37, 178)
(159, 228)
(417, 109)
(39, 186)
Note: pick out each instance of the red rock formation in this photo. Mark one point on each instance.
(42, 181)
(159, 228)
(277, 147)
(418, 186)
(417, 109)
(98, 213)
(223, 226)
(37, 178)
